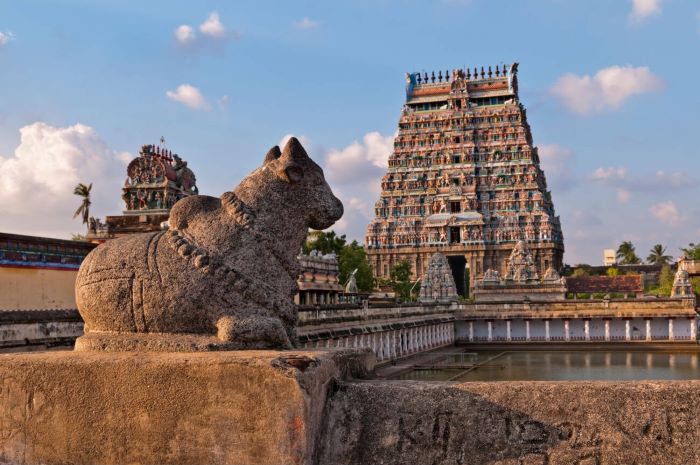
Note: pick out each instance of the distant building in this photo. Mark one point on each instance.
(318, 282)
(156, 179)
(38, 273)
(464, 179)
(609, 257)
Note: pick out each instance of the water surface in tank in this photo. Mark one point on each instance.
(611, 365)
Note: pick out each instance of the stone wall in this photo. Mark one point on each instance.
(512, 423)
(25, 288)
(391, 332)
(33, 327)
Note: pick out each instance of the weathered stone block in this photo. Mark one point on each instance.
(252, 407)
(561, 423)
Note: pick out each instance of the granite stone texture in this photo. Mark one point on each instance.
(222, 277)
(512, 423)
(232, 408)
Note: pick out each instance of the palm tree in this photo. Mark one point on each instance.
(657, 256)
(81, 190)
(626, 254)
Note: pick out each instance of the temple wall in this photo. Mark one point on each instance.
(28, 288)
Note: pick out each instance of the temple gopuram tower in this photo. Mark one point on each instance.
(464, 179)
(155, 180)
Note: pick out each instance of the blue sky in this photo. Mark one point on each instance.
(610, 88)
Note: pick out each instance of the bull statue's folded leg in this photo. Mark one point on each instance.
(253, 331)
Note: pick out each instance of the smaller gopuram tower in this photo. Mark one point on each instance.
(464, 179)
(156, 179)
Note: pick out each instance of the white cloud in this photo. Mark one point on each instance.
(36, 188)
(213, 27)
(610, 173)
(666, 212)
(642, 9)
(189, 96)
(658, 182)
(185, 34)
(6, 37)
(305, 142)
(306, 23)
(556, 164)
(623, 195)
(608, 89)
(223, 102)
(355, 173)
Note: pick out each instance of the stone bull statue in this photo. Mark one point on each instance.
(222, 277)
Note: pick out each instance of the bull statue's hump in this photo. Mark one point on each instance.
(223, 275)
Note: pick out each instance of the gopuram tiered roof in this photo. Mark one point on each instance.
(464, 179)
(156, 179)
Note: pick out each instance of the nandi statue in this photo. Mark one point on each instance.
(222, 277)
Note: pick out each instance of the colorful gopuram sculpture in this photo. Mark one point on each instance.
(438, 284)
(156, 179)
(464, 179)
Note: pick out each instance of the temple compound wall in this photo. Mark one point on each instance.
(38, 273)
(572, 321)
(464, 179)
(391, 332)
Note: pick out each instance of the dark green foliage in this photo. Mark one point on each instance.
(626, 254)
(666, 281)
(83, 191)
(692, 251)
(401, 280)
(352, 257)
(325, 242)
(657, 256)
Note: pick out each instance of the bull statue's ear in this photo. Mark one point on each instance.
(273, 154)
(293, 150)
(291, 161)
(293, 173)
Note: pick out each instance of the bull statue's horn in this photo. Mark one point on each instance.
(293, 150)
(272, 154)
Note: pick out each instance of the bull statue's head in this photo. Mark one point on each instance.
(306, 186)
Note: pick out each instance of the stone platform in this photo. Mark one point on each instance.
(314, 408)
(512, 423)
(246, 407)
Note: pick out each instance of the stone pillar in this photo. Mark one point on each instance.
(567, 331)
(628, 333)
(693, 329)
(546, 330)
(471, 331)
(670, 329)
(489, 324)
(647, 329)
(508, 333)
(607, 330)
(527, 331)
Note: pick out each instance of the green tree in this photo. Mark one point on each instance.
(692, 251)
(581, 270)
(612, 272)
(666, 280)
(626, 254)
(325, 242)
(401, 280)
(657, 256)
(353, 257)
(81, 190)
